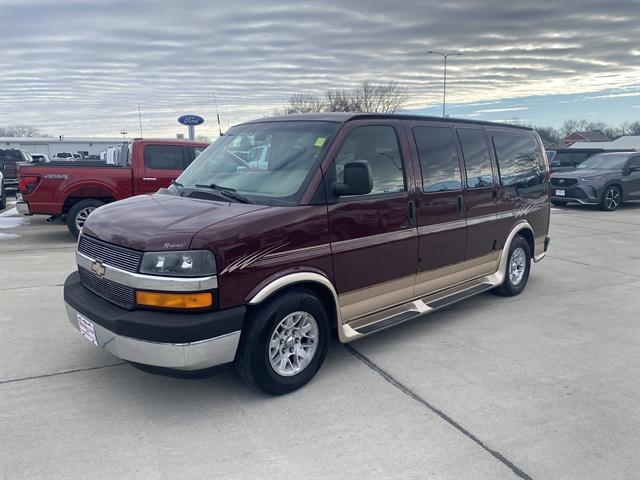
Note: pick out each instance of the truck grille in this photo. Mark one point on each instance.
(121, 295)
(563, 182)
(114, 256)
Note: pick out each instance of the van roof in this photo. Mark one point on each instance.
(343, 117)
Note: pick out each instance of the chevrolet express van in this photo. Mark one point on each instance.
(286, 229)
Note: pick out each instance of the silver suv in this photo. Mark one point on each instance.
(607, 180)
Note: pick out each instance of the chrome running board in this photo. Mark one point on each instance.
(417, 308)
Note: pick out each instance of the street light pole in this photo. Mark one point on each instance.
(444, 83)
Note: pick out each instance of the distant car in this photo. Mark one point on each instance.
(77, 156)
(3, 193)
(9, 158)
(567, 159)
(606, 179)
(40, 158)
(63, 156)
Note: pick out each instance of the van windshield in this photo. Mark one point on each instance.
(267, 163)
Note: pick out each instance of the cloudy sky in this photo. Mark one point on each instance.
(81, 68)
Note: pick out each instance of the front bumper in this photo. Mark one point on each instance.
(181, 341)
(580, 193)
(23, 208)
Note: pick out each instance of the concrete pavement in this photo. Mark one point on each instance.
(544, 385)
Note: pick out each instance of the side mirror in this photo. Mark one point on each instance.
(358, 179)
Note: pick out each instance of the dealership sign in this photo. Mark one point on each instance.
(190, 120)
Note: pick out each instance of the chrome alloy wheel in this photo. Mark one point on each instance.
(517, 266)
(293, 344)
(612, 198)
(82, 215)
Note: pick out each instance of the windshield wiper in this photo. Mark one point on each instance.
(226, 191)
(177, 184)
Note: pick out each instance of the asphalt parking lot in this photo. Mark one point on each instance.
(545, 385)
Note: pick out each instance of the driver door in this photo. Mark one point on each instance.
(374, 239)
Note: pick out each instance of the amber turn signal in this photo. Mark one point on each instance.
(174, 300)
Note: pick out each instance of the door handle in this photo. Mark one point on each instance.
(411, 213)
(460, 206)
(149, 179)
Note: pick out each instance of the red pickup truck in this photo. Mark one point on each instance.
(74, 189)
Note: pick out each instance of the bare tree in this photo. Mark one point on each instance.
(341, 101)
(21, 131)
(368, 97)
(380, 98)
(305, 103)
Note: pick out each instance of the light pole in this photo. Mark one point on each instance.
(444, 86)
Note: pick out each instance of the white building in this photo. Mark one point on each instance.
(53, 145)
(628, 142)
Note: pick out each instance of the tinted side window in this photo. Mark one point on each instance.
(163, 157)
(477, 160)
(519, 160)
(378, 145)
(438, 159)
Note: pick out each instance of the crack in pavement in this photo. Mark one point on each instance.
(411, 394)
(46, 375)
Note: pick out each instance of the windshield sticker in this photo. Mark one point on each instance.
(320, 141)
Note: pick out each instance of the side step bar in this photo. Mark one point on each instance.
(417, 308)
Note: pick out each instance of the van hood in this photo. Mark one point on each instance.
(159, 221)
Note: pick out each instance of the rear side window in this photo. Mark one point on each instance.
(519, 160)
(378, 145)
(163, 157)
(477, 160)
(438, 159)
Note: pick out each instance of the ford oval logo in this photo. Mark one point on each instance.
(190, 120)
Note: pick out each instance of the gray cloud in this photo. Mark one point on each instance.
(82, 67)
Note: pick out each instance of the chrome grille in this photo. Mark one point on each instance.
(114, 292)
(119, 257)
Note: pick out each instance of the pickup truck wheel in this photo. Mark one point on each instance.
(284, 342)
(518, 268)
(78, 214)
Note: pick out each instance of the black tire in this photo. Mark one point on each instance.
(559, 203)
(252, 359)
(3, 200)
(508, 287)
(611, 198)
(77, 208)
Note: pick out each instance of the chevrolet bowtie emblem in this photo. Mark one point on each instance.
(98, 268)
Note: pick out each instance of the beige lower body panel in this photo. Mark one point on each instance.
(367, 301)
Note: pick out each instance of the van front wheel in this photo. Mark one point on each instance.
(284, 342)
(518, 268)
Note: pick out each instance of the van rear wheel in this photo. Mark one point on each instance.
(284, 342)
(518, 268)
(78, 214)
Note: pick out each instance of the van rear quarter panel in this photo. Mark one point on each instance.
(280, 240)
(515, 204)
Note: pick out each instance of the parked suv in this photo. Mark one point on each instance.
(607, 179)
(350, 222)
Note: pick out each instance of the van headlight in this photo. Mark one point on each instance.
(190, 263)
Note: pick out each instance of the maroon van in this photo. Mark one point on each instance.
(288, 228)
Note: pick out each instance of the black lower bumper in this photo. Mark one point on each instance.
(154, 326)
